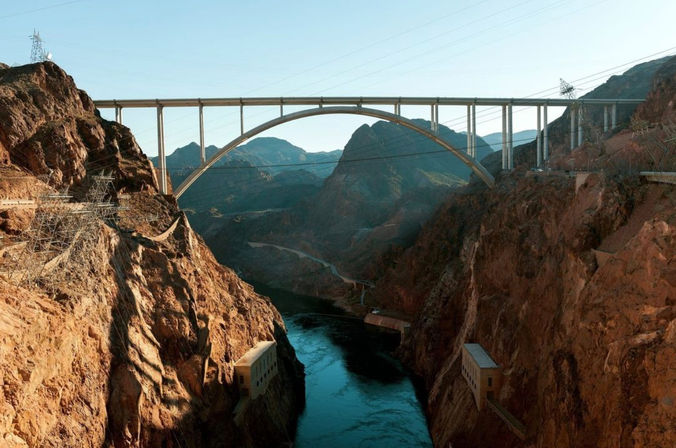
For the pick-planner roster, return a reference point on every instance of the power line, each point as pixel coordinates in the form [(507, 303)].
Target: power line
[(459, 119), (101, 162), (30, 11), (424, 41), (578, 82), (372, 44), (334, 162), (401, 50), (460, 40)]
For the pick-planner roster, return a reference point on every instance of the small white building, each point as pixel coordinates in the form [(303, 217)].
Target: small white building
[(256, 368), (481, 373)]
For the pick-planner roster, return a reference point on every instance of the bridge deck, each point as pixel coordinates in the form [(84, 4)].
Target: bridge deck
[(358, 100)]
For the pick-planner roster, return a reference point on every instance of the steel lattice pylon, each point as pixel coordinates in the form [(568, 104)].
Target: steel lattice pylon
[(62, 233), (38, 53)]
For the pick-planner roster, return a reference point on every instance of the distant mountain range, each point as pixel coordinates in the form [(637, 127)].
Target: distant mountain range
[(270, 154), (518, 138), (264, 173)]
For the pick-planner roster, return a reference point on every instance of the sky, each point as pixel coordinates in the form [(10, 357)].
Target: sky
[(483, 48)]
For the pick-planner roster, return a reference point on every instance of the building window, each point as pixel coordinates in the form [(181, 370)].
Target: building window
[(241, 379), (490, 382)]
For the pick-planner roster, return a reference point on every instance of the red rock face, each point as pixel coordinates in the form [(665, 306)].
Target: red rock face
[(572, 292), (661, 104), (136, 345), (48, 125), (587, 350)]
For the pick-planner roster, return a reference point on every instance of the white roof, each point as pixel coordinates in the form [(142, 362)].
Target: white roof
[(254, 353), (482, 358)]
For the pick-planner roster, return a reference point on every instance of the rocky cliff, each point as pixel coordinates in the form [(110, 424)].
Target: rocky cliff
[(569, 286), (135, 344)]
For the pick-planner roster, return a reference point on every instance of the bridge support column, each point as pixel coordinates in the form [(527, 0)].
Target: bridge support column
[(474, 130), (572, 127), (504, 137), (469, 130), (434, 118), (539, 138), (545, 132), (118, 114), (160, 150), (605, 118), (397, 109), (203, 155), (579, 127), (510, 139), (614, 116), (241, 118)]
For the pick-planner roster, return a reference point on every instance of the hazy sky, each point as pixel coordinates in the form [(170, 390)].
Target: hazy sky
[(170, 49)]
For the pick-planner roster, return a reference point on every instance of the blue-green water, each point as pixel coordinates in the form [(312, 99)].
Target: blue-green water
[(357, 394)]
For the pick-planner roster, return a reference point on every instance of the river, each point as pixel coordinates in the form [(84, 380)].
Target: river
[(357, 394)]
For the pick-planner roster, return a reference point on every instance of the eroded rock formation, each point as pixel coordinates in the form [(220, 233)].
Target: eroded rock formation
[(571, 290), (137, 345)]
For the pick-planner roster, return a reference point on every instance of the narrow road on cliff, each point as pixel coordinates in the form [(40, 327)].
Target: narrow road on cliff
[(302, 254)]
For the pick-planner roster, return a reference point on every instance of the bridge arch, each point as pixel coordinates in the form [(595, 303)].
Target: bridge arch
[(471, 162)]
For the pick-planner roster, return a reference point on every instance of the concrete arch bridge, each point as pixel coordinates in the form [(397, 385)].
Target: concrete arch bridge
[(372, 107)]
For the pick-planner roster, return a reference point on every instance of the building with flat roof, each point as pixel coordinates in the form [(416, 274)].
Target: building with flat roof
[(256, 368), (481, 373)]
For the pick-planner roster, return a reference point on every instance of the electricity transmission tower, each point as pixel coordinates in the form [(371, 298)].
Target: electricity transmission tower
[(38, 52), (62, 235), (567, 90)]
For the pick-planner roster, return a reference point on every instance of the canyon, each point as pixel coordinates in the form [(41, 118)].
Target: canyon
[(388, 181), (566, 276)]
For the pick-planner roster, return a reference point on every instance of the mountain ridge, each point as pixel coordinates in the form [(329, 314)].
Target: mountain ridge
[(519, 138), (270, 154)]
